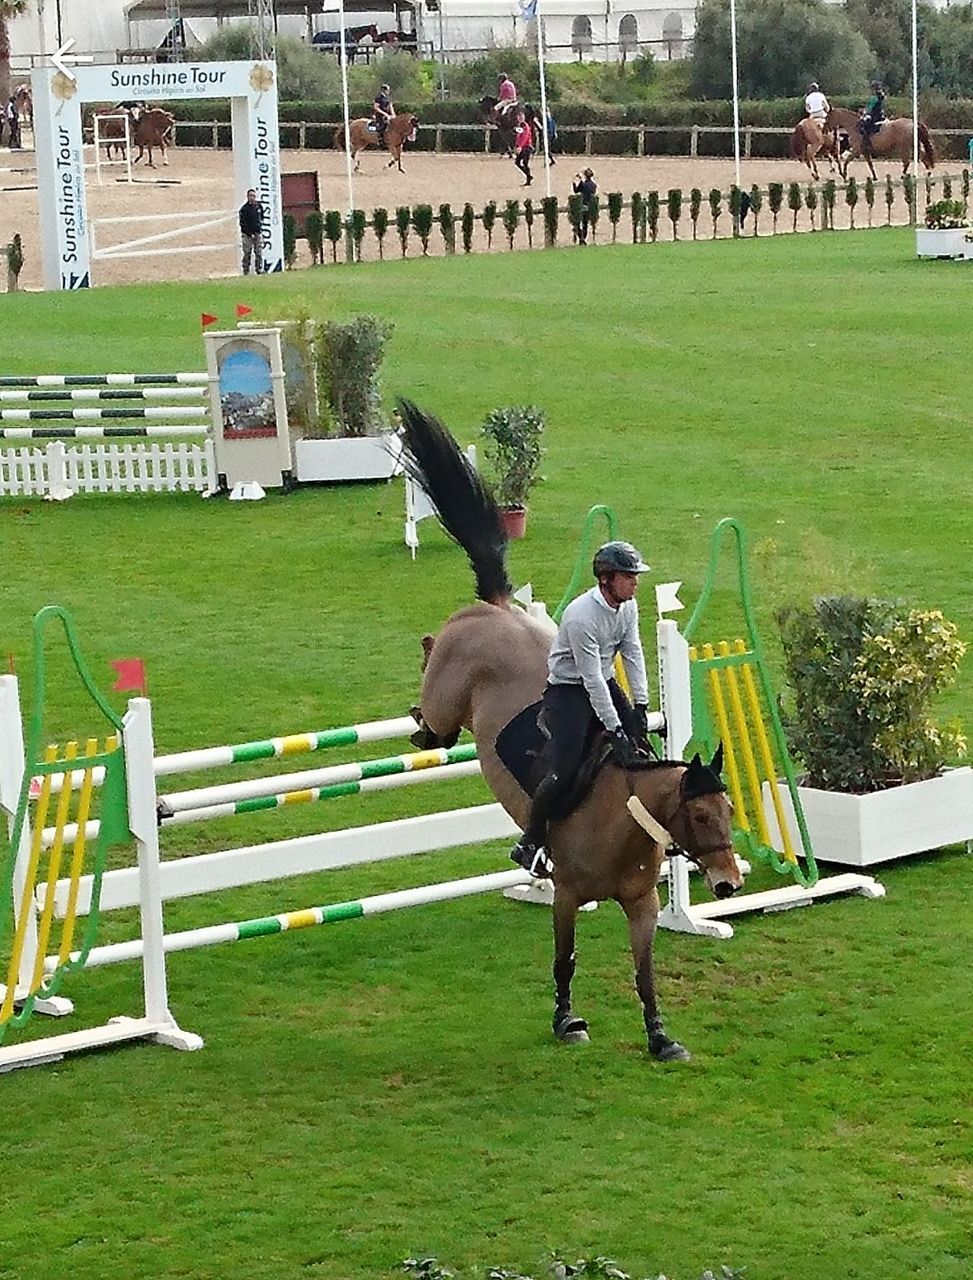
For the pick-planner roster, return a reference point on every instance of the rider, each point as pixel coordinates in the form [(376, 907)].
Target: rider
[(382, 110), (873, 114), (816, 105), (582, 694), (506, 94)]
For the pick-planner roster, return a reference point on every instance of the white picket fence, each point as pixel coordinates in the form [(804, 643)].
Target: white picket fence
[(57, 471)]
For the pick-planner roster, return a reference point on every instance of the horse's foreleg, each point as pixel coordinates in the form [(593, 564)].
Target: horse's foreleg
[(566, 1026), (642, 914)]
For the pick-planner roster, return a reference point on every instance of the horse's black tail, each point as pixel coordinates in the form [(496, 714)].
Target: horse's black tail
[(465, 506)]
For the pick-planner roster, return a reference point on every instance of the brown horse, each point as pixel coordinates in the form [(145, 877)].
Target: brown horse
[(488, 664), (893, 141), (148, 130), (399, 131), (810, 140)]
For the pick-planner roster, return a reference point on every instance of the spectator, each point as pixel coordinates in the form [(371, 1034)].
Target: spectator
[(585, 187), (251, 233)]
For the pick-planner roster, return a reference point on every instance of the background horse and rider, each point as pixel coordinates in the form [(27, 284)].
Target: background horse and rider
[(810, 139), (363, 133), (486, 669), (506, 122), (149, 129), (893, 140), (330, 41)]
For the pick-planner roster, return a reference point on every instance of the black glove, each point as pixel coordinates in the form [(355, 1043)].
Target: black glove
[(624, 753), (640, 722)]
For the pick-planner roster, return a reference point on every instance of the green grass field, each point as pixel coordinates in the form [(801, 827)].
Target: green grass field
[(390, 1087)]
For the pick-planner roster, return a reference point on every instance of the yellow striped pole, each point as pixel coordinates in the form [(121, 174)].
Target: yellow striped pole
[(746, 746), (729, 750), (767, 756), (77, 860), (53, 871), (23, 908)]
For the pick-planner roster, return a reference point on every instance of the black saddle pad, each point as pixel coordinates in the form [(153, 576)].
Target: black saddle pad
[(521, 747)]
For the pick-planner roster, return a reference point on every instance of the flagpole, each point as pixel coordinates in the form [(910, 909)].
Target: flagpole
[(736, 90), (915, 101), (543, 78), (344, 100)]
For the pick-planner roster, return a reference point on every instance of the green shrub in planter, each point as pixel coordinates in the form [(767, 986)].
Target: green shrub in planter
[(811, 200), (447, 225), (594, 213), (549, 209), (333, 230), (289, 233), (511, 220), (715, 207), (674, 209), (513, 452), (574, 216), (468, 222), (947, 188), (909, 192), (756, 204), (359, 225), (489, 220), (695, 205), (314, 229), (794, 201), (349, 354), (380, 225), (638, 218), (861, 674), (829, 194), (422, 221), (403, 221), (652, 214), (966, 186), (851, 199), (614, 212), (529, 221), (736, 201), (775, 201), (15, 263), (889, 199), (869, 197), (946, 215)]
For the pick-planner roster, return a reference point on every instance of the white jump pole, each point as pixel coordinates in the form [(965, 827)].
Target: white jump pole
[(915, 102), (343, 53), (535, 8)]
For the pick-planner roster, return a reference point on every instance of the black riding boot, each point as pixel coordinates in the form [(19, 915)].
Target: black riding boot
[(528, 852)]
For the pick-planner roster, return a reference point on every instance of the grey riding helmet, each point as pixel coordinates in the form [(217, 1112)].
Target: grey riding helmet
[(618, 557)]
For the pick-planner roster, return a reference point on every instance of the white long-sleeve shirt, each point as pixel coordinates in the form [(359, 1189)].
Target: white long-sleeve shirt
[(590, 635), (816, 104)]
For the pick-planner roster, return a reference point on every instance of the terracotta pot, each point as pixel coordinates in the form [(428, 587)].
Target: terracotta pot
[(514, 521)]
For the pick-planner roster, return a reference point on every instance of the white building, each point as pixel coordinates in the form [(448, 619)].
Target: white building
[(590, 29)]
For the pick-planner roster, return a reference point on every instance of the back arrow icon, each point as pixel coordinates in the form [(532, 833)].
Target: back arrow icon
[(61, 58)]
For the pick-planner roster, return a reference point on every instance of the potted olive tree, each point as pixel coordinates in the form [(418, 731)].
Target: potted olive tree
[(513, 452), (350, 437), (880, 778)]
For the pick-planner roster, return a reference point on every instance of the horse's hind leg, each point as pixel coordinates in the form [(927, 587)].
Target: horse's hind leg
[(566, 1026), (642, 914)]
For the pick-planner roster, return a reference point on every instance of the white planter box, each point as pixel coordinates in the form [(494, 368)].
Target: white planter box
[(941, 244), (859, 831), (362, 458)]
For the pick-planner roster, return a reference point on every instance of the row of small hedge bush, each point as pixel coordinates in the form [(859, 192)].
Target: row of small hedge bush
[(541, 220)]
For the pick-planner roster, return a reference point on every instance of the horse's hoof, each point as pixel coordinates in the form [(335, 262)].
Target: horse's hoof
[(670, 1051), (571, 1030)]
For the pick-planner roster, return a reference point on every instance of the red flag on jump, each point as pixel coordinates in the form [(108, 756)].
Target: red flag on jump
[(242, 310), (131, 675), (207, 319)]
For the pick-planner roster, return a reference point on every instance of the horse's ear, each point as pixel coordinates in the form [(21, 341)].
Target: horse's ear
[(716, 764), (696, 762)]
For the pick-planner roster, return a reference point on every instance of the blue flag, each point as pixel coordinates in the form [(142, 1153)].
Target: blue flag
[(528, 10)]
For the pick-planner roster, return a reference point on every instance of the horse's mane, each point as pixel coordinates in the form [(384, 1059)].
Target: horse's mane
[(466, 508)]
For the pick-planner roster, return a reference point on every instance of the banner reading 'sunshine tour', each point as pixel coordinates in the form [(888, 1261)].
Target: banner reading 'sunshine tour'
[(252, 90)]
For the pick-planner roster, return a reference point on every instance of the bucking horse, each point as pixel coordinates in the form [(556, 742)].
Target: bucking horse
[(484, 669), (505, 122)]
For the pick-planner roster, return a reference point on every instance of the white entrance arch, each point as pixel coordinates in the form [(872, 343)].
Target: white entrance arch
[(252, 90)]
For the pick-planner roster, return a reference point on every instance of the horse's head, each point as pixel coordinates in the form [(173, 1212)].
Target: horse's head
[(702, 826), (487, 105), (413, 124)]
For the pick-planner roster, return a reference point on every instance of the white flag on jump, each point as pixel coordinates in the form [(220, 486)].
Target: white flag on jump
[(528, 9)]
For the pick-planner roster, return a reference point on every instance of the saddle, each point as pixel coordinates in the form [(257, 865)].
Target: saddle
[(522, 748)]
